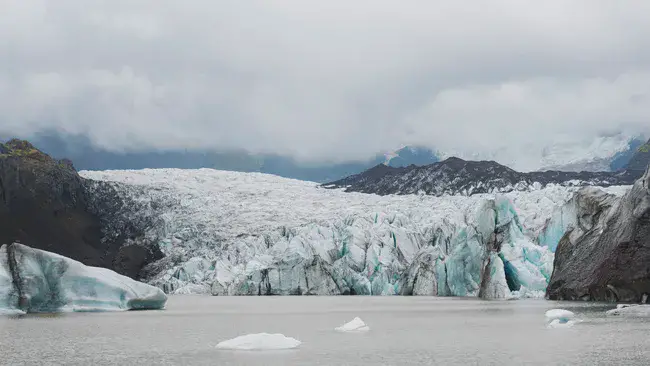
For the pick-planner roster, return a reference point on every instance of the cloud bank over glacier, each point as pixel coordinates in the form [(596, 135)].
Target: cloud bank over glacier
[(326, 81)]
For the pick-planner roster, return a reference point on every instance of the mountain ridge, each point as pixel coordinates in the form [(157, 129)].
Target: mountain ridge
[(458, 176), (605, 153), (86, 157)]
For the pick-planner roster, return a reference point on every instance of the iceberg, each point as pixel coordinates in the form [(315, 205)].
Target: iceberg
[(260, 342), (630, 310), (560, 318), (356, 325), (557, 323), (560, 315), (36, 281)]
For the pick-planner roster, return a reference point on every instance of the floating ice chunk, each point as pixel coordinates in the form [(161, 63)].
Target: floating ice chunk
[(563, 316), (11, 312), (560, 318), (260, 342), (630, 310), (39, 281), (558, 323), (355, 326)]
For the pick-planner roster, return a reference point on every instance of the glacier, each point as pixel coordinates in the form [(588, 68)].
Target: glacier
[(36, 281), (231, 233)]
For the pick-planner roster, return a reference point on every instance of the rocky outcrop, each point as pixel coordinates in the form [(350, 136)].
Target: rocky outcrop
[(606, 255), (45, 204), (641, 158)]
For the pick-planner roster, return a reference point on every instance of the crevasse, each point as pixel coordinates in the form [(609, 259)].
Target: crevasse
[(228, 233)]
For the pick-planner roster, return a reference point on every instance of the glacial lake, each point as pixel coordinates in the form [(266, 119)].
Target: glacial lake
[(403, 331)]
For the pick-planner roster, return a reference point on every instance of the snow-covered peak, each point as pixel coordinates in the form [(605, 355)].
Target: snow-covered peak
[(567, 153)]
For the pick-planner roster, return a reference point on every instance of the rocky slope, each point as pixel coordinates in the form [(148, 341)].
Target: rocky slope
[(456, 176), (45, 204), (641, 159), (606, 255)]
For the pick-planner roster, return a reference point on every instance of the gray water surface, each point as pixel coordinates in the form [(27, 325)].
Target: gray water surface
[(404, 331)]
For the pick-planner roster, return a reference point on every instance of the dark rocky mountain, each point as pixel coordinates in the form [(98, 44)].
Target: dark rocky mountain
[(457, 176), (606, 257), (45, 204), (621, 160), (641, 158)]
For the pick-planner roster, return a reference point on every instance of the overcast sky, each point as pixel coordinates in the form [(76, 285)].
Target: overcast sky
[(326, 80)]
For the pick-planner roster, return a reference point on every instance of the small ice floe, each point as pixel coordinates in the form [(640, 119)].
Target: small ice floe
[(630, 310), (260, 342), (355, 326), (11, 312), (557, 323), (560, 318), (559, 314)]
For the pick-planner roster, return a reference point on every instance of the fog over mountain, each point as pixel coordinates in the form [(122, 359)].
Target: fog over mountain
[(520, 83)]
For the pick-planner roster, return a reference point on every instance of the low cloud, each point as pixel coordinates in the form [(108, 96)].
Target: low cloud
[(333, 80)]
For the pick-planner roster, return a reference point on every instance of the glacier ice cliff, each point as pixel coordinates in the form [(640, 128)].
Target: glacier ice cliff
[(228, 233), (605, 255), (35, 281)]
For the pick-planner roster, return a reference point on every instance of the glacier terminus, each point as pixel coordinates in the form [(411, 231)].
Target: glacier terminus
[(231, 233)]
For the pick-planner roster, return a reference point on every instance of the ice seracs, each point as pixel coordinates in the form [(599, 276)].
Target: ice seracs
[(260, 342), (257, 234), (356, 325), (33, 281)]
